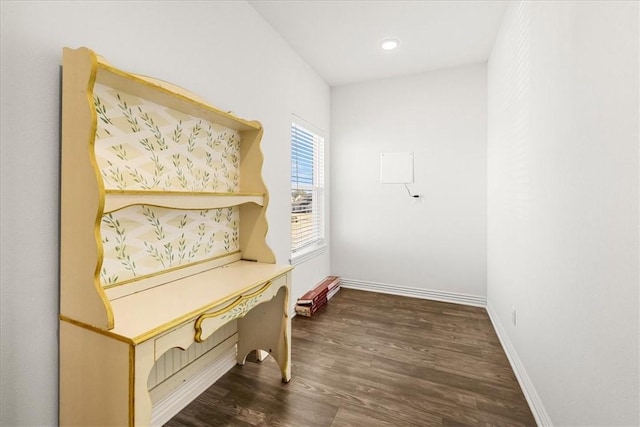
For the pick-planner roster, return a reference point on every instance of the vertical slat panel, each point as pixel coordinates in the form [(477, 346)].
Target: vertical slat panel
[(176, 359)]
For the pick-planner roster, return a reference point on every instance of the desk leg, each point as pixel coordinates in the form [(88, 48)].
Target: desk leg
[(267, 327)]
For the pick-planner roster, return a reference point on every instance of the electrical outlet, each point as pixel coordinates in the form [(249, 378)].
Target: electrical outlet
[(513, 316)]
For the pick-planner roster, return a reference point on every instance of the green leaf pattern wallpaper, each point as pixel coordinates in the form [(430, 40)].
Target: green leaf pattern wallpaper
[(142, 240), (141, 145), (242, 308)]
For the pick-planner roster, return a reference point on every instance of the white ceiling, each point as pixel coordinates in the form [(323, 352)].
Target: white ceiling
[(340, 38)]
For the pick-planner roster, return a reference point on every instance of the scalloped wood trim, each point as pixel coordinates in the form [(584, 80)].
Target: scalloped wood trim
[(201, 335), (253, 242), (82, 296)]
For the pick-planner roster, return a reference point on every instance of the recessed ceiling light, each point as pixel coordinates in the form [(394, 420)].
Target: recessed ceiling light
[(389, 44)]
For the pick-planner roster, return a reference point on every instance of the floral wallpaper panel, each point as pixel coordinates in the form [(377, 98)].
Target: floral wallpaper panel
[(141, 145), (143, 240)]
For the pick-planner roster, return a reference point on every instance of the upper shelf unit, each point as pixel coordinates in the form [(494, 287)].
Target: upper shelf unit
[(157, 184)]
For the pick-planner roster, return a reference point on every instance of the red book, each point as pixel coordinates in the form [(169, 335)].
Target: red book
[(319, 291), (308, 310), (312, 297)]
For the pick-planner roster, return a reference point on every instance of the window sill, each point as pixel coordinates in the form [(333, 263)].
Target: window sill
[(308, 254)]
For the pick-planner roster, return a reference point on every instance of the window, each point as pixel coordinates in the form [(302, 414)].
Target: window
[(307, 190)]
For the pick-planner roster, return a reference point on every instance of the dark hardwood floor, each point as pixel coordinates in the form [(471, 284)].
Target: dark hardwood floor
[(370, 359)]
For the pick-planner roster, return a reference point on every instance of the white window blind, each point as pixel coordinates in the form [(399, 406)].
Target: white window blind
[(307, 188)]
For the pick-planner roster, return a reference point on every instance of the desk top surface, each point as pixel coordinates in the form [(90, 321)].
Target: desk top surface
[(148, 313)]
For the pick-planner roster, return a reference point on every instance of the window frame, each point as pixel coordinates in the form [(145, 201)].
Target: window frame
[(317, 245)]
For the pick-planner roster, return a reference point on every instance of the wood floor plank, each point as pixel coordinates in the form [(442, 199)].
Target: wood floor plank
[(352, 417), (370, 359)]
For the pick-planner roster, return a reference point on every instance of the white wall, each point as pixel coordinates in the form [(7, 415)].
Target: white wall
[(563, 205), (379, 234), (223, 51)]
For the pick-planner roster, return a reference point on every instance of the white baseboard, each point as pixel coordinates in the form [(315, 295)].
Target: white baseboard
[(168, 406), (530, 393), (444, 296)]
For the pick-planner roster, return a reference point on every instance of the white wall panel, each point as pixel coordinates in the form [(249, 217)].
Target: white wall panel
[(379, 233), (563, 217)]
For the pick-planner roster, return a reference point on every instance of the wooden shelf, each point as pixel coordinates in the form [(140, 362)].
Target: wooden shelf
[(163, 238), (117, 199)]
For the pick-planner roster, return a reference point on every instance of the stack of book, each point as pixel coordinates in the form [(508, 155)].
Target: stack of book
[(317, 297)]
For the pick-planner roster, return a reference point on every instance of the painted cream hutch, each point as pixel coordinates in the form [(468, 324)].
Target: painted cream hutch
[(162, 238)]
